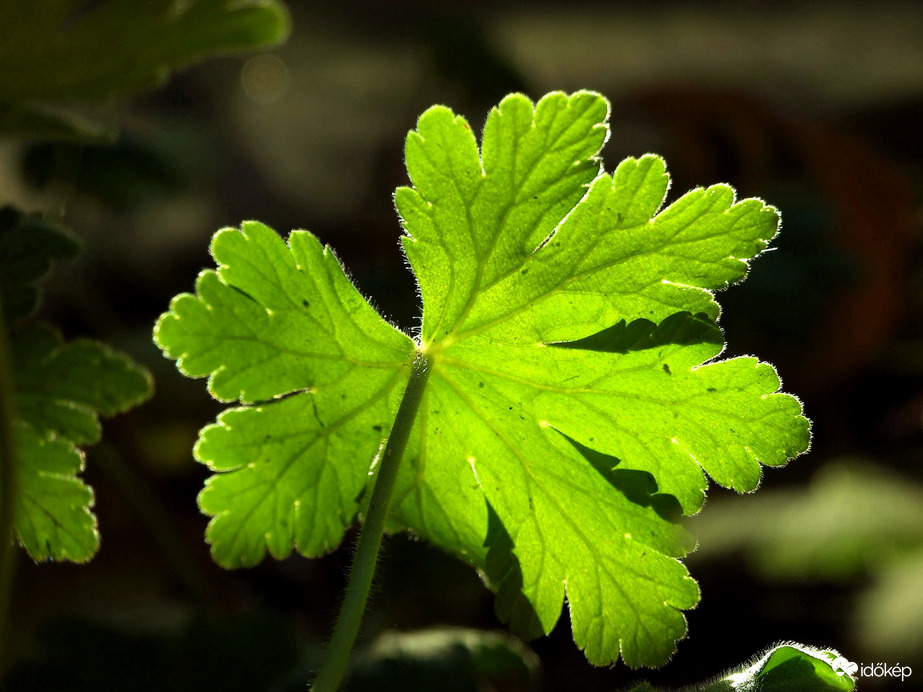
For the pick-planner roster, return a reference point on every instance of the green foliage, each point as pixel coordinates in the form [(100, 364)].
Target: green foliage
[(264, 327), (574, 407), (67, 50), (51, 52), (784, 668), (61, 390)]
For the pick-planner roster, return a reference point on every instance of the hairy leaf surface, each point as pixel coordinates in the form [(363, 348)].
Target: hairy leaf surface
[(285, 321), (786, 667), (575, 408)]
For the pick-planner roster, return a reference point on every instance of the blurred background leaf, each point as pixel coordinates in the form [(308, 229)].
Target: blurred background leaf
[(850, 519), (83, 50), (856, 523), (80, 50)]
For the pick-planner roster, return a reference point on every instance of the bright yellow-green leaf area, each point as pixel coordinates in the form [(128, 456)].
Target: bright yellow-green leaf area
[(575, 408)]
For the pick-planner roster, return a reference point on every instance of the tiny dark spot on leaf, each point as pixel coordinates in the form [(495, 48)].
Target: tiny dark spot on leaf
[(666, 369), (711, 389), (305, 303), (481, 385), (376, 428)]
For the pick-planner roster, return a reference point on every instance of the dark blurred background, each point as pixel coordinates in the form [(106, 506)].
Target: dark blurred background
[(816, 107)]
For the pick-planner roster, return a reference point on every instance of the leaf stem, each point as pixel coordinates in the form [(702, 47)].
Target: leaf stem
[(9, 477), (363, 568)]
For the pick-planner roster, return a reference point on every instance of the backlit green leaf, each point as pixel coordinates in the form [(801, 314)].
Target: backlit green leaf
[(274, 321), (574, 410)]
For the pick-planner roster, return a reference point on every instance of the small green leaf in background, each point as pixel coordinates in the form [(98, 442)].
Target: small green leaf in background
[(61, 390), (575, 406), (786, 667), (28, 244)]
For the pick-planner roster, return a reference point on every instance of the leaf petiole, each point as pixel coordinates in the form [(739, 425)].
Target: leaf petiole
[(363, 567)]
